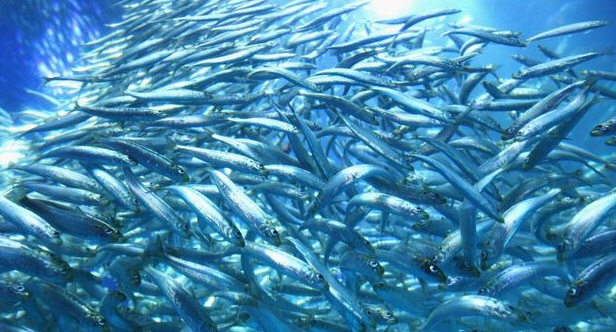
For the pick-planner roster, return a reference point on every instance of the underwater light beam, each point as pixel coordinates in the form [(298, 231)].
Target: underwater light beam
[(386, 9)]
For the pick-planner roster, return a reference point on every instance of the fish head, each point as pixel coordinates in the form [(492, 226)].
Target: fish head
[(96, 322), (135, 277), (97, 198), (376, 267), (519, 74), (19, 290), (380, 315), (601, 128), (432, 270), (454, 281), (490, 253), (370, 267), (468, 269), (181, 173), (132, 161), (515, 41), (317, 280), (262, 170), (486, 258), (234, 235), (271, 235), (503, 311), (63, 273), (528, 163), (134, 201), (509, 133), (485, 290), (439, 256), (421, 224), (574, 294), (435, 198), (55, 237), (389, 317), (185, 230), (111, 234), (423, 215), (525, 317), (565, 248), (379, 286), (364, 246), (304, 322), (521, 135), (449, 116)]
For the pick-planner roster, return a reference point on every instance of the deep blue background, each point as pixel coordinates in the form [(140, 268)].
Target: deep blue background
[(44, 33)]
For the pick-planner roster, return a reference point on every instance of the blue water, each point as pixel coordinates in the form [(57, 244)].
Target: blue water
[(40, 37)]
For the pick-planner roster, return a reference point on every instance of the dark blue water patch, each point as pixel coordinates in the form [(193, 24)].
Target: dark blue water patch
[(38, 37), (109, 283)]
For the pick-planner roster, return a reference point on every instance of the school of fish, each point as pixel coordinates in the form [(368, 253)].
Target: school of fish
[(230, 165)]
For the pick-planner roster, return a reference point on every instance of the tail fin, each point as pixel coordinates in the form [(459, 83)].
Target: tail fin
[(154, 250)]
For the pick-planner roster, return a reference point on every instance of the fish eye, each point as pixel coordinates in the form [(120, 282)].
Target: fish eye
[(510, 307), (237, 233), (481, 291), (484, 255), (366, 242), (387, 314), (373, 263), (274, 232), (181, 171), (185, 227), (19, 288), (108, 230), (369, 312), (319, 276), (432, 268), (55, 234), (573, 291), (102, 321)]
